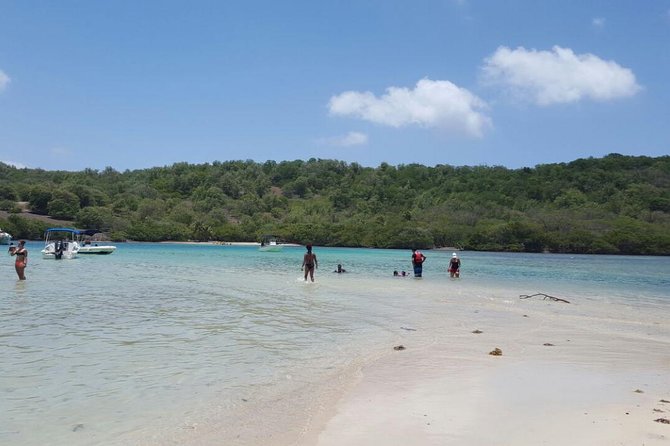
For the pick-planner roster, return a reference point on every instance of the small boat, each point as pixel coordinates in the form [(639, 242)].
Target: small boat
[(5, 237), (60, 243), (86, 246), (270, 243)]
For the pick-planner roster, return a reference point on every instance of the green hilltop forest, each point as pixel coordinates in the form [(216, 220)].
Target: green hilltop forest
[(611, 205)]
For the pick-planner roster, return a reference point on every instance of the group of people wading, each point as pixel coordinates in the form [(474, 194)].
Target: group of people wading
[(310, 263), (418, 258)]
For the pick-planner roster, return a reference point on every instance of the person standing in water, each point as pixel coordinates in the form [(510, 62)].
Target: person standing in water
[(309, 263), (455, 266), (21, 254), (417, 262)]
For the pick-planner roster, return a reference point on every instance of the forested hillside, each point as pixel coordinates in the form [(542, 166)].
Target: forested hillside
[(615, 204)]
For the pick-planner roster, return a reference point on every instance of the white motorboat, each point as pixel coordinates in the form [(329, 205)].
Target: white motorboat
[(96, 249), (88, 246), (60, 243), (270, 243), (5, 237)]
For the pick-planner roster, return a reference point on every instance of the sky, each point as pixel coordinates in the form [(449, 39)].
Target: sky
[(134, 84)]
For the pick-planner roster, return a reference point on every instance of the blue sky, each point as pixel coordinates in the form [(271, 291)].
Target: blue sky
[(137, 84)]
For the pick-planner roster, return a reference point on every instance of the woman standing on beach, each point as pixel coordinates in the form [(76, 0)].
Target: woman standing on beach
[(309, 263), (21, 254)]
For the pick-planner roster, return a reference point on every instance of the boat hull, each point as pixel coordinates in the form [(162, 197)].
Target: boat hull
[(273, 248), (52, 255), (70, 251), (100, 250), (5, 238)]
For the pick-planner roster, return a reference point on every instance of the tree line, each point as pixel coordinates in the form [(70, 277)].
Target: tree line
[(611, 205)]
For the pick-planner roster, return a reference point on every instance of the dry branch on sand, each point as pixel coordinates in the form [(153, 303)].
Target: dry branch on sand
[(545, 296)]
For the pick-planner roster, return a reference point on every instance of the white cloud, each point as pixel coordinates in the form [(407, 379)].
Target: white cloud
[(558, 76), (598, 22), (352, 139), (431, 103), (12, 163), (348, 140), (4, 80)]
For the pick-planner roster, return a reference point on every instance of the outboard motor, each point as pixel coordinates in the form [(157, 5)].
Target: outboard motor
[(58, 250)]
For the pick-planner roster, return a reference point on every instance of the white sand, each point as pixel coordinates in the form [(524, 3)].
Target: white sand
[(599, 384)]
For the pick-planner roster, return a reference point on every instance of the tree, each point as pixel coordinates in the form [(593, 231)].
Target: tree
[(23, 228), (7, 192), (39, 198), (63, 204), (201, 232), (100, 218)]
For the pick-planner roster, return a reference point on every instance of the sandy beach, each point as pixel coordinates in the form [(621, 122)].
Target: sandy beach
[(601, 384), (226, 356), (569, 374)]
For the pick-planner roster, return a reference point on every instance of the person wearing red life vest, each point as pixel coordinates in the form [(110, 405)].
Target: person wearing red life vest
[(417, 262)]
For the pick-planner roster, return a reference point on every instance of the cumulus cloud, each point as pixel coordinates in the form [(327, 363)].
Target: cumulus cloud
[(4, 80), (558, 76), (348, 140), (439, 104)]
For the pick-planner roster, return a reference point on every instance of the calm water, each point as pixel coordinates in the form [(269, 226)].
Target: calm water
[(109, 349)]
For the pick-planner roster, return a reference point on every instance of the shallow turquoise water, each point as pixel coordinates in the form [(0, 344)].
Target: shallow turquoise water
[(101, 349)]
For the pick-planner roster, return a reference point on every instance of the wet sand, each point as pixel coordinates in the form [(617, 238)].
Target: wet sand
[(582, 373), (600, 381)]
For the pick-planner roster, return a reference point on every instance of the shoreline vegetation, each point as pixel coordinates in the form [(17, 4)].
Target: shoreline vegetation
[(612, 205)]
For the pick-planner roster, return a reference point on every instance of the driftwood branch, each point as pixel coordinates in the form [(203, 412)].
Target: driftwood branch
[(545, 296)]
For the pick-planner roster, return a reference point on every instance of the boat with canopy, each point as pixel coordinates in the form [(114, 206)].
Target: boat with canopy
[(60, 243)]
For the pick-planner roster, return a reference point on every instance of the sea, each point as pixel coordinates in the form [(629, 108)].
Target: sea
[(159, 339)]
